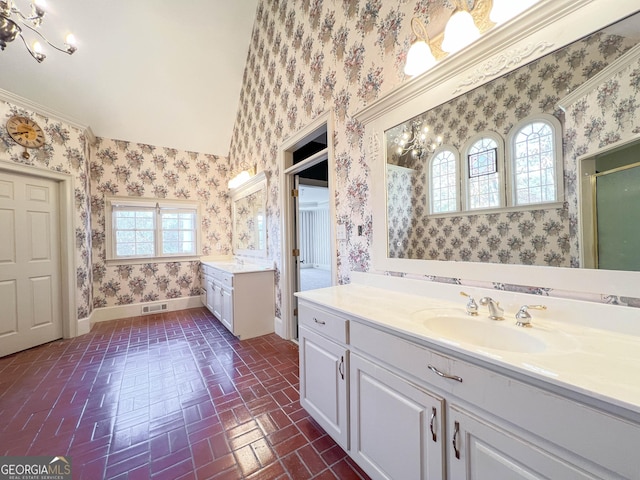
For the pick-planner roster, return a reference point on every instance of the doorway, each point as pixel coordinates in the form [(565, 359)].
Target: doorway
[(313, 233), (307, 162)]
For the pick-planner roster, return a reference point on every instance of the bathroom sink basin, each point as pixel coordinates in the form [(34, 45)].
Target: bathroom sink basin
[(504, 335), (488, 334)]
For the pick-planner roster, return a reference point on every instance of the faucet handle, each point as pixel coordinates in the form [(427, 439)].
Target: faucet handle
[(524, 317), (472, 306)]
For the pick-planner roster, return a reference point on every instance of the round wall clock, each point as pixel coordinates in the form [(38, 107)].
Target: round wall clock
[(25, 132)]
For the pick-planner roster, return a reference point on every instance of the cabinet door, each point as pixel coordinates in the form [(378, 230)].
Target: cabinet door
[(323, 383), (209, 293), (480, 451), (216, 302), (396, 426), (227, 308)]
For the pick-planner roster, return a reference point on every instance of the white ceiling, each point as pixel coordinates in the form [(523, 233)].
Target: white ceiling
[(149, 71)]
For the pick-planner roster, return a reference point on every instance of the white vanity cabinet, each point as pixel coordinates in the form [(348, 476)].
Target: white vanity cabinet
[(396, 426), (324, 370), (242, 301), (420, 413), (481, 450)]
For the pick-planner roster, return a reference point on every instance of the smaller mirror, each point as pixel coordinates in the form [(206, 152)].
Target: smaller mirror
[(248, 203)]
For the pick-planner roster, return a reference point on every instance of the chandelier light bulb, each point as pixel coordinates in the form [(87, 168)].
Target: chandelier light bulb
[(39, 8), (37, 47), (70, 39)]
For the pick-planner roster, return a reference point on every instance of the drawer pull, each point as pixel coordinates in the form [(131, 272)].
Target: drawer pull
[(456, 432), (431, 424), (444, 375), (320, 322)]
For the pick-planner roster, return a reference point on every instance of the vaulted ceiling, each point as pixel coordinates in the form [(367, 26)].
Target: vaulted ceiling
[(148, 71)]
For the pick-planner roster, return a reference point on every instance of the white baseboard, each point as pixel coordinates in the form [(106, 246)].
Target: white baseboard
[(84, 325), (278, 327), (135, 309)]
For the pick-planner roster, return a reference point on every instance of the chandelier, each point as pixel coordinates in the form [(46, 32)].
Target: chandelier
[(415, 140), (12, 21)]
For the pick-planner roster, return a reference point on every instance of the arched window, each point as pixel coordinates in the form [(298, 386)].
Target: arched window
[(483, 168), (536, 169), (443, 181)]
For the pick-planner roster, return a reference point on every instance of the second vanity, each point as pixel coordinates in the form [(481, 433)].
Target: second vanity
[(413, 388), (241, 296)]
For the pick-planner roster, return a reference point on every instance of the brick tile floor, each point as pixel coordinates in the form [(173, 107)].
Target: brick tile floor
[(166, 396)]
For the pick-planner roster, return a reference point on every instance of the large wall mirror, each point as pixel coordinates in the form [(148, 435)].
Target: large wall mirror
[(248, 203), (566, 95)]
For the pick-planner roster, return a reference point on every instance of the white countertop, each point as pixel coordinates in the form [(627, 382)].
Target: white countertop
[(600, 364), (234, 267)]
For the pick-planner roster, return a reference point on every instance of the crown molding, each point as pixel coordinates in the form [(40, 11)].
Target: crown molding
[(620, 64), (19, 101)]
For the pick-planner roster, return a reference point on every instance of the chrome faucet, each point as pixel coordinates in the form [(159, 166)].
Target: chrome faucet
[(472, 306), (496, 312)]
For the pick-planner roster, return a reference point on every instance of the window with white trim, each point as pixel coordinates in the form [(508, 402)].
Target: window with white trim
[(150, 228), (484, 184), (443, 182), (536, 173)]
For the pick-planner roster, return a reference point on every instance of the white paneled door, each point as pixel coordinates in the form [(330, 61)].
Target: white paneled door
[(29, 262)]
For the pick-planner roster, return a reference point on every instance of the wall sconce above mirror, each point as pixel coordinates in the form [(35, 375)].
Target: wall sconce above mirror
[(467, 22), (526, 67), (249, 220)]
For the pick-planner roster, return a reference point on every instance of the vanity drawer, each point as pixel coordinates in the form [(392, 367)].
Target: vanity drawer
[(408, 357), (324, 322), (226, 279)]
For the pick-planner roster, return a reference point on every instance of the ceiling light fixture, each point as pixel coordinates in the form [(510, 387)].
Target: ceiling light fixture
[(10, 16), (419, 58), (504, 10), (460, 30)]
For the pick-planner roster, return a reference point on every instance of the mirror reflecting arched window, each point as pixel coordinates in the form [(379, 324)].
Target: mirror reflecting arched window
[(443, 182), (535, 175), (483, 180)]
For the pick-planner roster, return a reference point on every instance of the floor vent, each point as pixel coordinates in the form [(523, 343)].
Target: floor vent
[(156, 307)]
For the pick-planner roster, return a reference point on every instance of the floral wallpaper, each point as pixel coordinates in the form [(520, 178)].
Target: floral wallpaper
[(248, 218), (65, 151), (311, 56), (400, 208), (139, 170)]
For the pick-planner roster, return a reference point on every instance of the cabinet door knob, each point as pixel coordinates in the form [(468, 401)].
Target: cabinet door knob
[(444, 375), (456, 432), (341, 367), (431, 424)]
